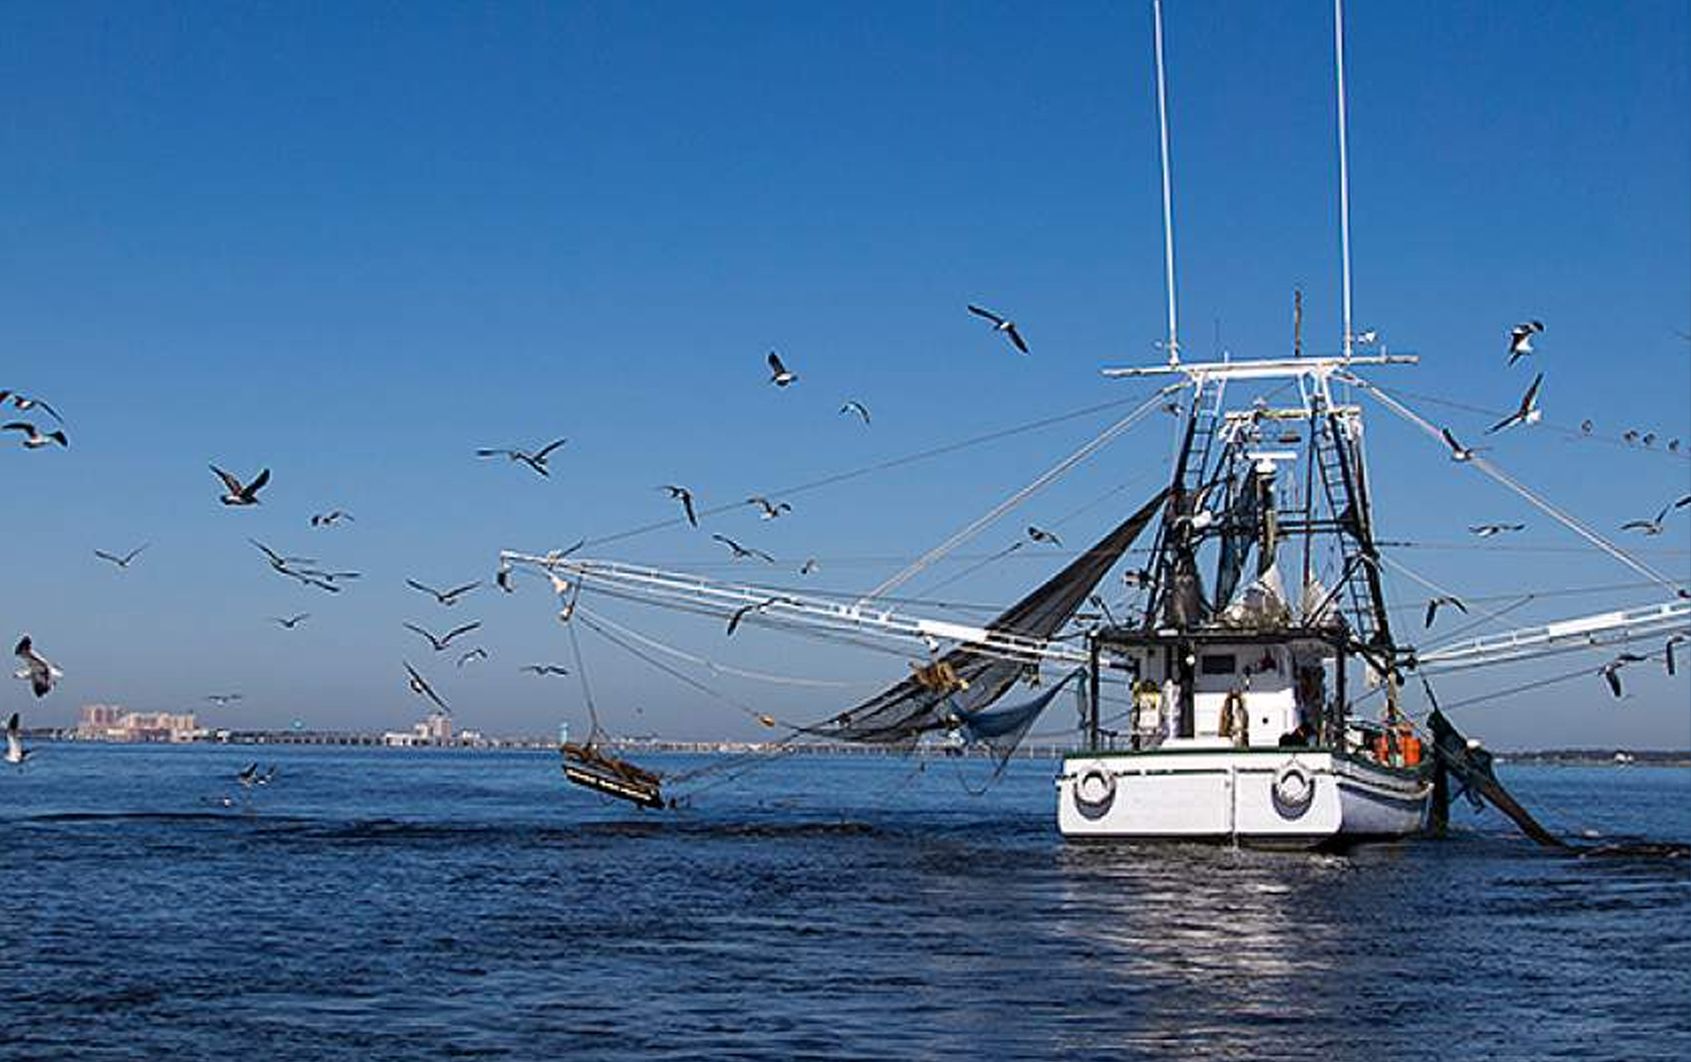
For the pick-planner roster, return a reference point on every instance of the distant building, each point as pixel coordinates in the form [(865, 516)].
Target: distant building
[(111, 722), (435, 729)]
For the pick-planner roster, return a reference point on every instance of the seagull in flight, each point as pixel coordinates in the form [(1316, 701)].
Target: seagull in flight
[(1443, 599), (779, 374), (24, 403), (770, 509), (1458, 452), (290, 622), (1629, 436), (1528, 413), (1041, 535), (854, 406), (1585, 426), (1611, 671), (441, 643), (536, 460), (1654, 527), (34, 438), (544, 669), (36, 668), (279, 562), (123, 561), (223, 700), (421, 687), (809, 566), (478, 653), (685, 497), (235, 493), (742, 551), (1488, 530), (504, 578), (1002, 324), (445, 597), (15, 752), (1520, 339), (330, 518), (740, 613)]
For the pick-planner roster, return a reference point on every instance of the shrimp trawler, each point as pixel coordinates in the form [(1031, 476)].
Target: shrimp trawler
[(1258, 665), (1241, 725)]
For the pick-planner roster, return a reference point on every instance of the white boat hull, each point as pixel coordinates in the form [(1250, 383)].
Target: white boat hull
[(1293, 798)]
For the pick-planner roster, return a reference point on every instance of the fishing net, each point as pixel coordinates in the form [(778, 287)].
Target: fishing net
[(965, 681)]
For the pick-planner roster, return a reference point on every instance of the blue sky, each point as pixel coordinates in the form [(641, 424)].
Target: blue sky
[(354, 244)]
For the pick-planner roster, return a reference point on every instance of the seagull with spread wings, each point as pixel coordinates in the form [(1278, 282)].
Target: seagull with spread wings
[(1003, 325), (123, 561), (440, 643), (740, 551), (237, 493), (36, 668), (536, 460), (854, 406), (34, 438), (1527, 413), (444, 597)]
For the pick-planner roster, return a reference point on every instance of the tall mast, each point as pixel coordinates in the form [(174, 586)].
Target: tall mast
[(1344, 164), (1168, 200)]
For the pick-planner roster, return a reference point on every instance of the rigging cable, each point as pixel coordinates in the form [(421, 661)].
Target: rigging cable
[(879, 466), (1103, 439), (1488, 468)]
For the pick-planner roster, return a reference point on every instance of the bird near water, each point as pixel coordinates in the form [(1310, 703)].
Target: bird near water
[(16, 754), (421, 687), (1488, 530), (854, 406), (290, 622), (37, 669)]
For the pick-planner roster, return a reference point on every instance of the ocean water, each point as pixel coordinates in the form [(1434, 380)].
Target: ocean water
[(374, 904)]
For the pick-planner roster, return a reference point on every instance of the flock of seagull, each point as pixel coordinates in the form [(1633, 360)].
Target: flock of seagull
[(243, 493), (238, 493)]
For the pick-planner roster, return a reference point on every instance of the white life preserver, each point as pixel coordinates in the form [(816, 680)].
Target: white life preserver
[(1293, 791), (1094, 792)]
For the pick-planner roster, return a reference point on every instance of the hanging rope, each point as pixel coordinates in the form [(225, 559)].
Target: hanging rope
[(1488, 468), (595, 732)]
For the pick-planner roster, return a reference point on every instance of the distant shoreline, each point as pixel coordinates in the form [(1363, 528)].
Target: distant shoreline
[(357, 739)]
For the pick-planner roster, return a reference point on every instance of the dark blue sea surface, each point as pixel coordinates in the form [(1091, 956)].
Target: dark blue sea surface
[(373, 904)]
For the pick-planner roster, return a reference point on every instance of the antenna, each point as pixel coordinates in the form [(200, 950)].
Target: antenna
[(1297, 322), (1344, 163), (1168, 208)]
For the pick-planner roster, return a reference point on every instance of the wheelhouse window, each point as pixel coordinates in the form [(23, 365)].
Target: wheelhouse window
[(1218, 664)]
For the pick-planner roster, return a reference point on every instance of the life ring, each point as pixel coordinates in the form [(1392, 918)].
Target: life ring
[(1094, 793), (1293, 791)]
